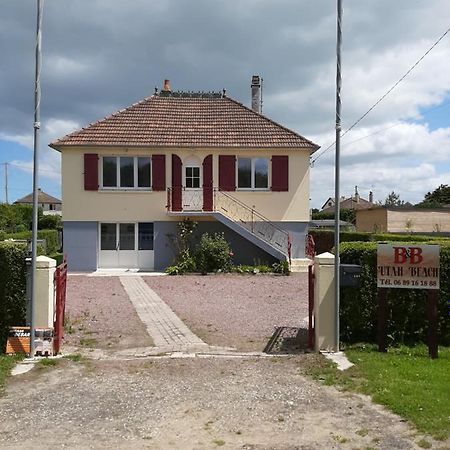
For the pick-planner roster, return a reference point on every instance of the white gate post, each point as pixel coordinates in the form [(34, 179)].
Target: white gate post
[(45, 306), (324, 303)]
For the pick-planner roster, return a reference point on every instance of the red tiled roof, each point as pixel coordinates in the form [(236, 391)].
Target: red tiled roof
[(186, 120)]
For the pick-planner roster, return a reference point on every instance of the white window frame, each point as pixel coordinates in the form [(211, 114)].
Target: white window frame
[(135, 186), (252, 174)]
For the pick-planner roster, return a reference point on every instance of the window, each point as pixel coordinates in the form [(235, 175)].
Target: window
[(108, 236), (192, 177), (253, 173), (145, 236), (126, 236), (132, 172)]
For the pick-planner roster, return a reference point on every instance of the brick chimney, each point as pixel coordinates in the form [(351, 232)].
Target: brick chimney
[(166, 87), (256, 93), (356, 194)]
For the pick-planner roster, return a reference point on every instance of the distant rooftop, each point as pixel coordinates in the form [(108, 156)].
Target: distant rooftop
[(43, 197)]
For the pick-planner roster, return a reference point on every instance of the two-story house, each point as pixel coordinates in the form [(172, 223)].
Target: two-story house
[(128, 179)]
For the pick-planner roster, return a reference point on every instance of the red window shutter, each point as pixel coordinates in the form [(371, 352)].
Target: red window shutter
[(227, 172), (90, 172), (280, 173), (208, 183), (159, 172), (176, 183)]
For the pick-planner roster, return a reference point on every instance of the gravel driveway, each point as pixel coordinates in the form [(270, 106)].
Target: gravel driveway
[(233, 310), (191, 404), (99, 314)]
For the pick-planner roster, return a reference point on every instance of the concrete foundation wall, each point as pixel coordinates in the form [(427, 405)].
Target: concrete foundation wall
[(81, 243)]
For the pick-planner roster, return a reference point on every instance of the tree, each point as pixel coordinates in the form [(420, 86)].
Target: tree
[(438, 198), (393, 199)]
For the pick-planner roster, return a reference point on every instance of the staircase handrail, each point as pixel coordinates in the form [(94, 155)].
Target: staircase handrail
[(259, 216)]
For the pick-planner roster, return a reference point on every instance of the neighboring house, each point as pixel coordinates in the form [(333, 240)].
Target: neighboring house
[(48, 203), (403, 220), (353, 202), (128, 179)]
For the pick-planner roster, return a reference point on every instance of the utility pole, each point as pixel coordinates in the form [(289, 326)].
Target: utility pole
[(337, 194), (5, 164), (37, 125), (6, 183)]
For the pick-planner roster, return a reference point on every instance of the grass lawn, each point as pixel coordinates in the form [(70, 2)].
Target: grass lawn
[(6, 364), (405, 380)]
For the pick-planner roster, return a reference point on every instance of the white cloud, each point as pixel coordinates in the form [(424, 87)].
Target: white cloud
[(26, 140)]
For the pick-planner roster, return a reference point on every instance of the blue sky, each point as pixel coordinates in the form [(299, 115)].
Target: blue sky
[(98, 59), (20, 181)]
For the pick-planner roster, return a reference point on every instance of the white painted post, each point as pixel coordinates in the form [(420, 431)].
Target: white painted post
[(44, 307), (324, 303)]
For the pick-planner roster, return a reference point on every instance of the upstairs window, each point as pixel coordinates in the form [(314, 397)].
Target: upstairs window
[(126, 172), (253, 173)]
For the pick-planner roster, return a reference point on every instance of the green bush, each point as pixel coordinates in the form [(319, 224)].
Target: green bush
[(324, 239), (49, 222), (50, 236), (407, 319), (213, 253), (12, 288), (184, 263)]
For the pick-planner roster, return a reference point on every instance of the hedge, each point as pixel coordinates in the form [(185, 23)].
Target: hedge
[(324, 239), (50, 236), (408, 315), (12, 288)]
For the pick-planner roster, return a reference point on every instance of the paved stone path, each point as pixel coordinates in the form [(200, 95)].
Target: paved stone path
[(163, 325)]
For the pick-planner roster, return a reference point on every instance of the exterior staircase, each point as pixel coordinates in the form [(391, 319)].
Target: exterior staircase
[(240, 218)]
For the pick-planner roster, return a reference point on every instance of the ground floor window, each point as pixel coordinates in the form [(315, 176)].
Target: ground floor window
[(126, 244)]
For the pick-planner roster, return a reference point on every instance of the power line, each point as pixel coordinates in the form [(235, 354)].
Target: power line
[(385, 94), (29, 168)]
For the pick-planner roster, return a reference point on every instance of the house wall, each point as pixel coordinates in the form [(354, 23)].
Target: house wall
[(103, 205), (80, 242), (371, 220), (416, 221)]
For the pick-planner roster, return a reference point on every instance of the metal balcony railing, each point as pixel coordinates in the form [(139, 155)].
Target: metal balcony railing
[(181, 200)]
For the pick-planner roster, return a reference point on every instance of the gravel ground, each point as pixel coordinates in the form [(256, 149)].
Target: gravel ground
[(239, 311), (191, 404), (99, 314)]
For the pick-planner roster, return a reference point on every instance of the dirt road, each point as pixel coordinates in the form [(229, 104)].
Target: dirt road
[(191, 403)]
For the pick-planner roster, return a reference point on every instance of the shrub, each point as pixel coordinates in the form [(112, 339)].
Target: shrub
[(12, 288), (213, 253), (184, 263), (49, 222), (407, 319), (51, 238), (324, 239)]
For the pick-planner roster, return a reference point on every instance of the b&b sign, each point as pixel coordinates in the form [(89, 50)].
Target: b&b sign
[(409, 267)]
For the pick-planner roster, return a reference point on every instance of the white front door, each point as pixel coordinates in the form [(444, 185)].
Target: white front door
[(126, 245), (192, 193)]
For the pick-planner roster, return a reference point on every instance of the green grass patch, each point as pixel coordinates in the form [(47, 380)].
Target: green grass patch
[(88, 342), (405, 380), (75, 357), (6, 364), (48, 362)]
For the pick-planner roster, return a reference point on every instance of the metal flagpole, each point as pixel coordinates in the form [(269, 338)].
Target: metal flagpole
[(337, 195), (6, 183), (37, 125)]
